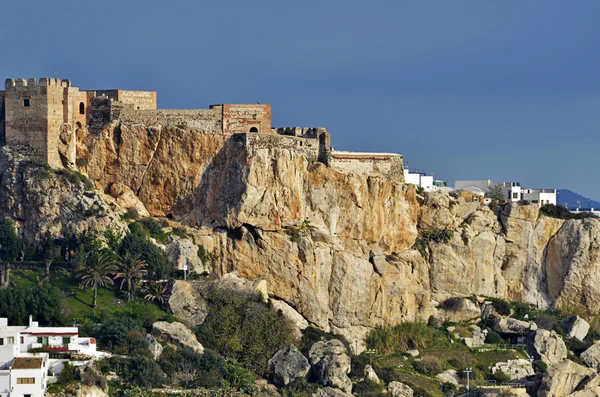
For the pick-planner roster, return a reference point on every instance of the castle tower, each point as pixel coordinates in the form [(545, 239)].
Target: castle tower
[(36, 111)]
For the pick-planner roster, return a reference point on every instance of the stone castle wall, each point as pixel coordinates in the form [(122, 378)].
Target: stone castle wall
[(2, 120), (142, 100), (309, 147), (206, 120), (387, 164), (245, 118)]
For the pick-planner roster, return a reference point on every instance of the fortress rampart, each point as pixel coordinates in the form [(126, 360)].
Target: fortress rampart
[(42, 119), (388, 164)]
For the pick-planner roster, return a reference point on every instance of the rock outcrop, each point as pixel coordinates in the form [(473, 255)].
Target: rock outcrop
[(512, 326), (183, 254), (177, 334), (576, 327), (549, 346), (515, 369), (591, 356), (399, 389), (569, 379), (287, 365), (331, 364), (187, 305)]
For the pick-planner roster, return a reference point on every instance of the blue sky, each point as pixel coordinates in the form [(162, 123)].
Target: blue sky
[(471, 89)]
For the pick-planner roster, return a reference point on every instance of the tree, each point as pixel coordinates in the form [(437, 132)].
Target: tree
[(156, 292), (495, 192), (11, 247), (130, 269), (50, 251), (136, 243), (95, 271)]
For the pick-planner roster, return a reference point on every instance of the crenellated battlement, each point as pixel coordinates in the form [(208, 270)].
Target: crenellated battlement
[(32, 82)]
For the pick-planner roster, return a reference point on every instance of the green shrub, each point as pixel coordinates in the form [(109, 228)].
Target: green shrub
[(501, 377), (560, 212), (452, 304), (137, 244), (405, 336), (67, 375), (493, 338), (501, 306), (521, 310), (300, 388), (577, 346), (238, 377), (10, 243), (367, 388), (540, 367), (240, 326), (429, 365)]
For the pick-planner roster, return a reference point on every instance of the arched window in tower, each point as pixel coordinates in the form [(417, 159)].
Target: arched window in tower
[(253, 129), (81, 108)]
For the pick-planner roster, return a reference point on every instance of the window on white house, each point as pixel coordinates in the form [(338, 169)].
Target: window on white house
[(25, 381), (10, 340), (515, 195)]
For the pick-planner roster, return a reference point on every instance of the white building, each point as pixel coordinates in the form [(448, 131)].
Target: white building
[(539, 196), (512, 191), (419, 179), (24, 374)]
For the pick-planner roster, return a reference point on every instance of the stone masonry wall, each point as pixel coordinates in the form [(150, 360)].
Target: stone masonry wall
[(2, 120), (246, 118), (205, 120), (309, 147), (27, 126), (387, 164)]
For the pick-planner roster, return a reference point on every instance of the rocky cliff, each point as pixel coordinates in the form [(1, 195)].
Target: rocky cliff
[(347, 251)]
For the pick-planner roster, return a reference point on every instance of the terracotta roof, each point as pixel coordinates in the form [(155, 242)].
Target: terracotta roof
[(27, 363)]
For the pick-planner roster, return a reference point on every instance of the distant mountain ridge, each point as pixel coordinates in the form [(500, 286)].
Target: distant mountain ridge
[(569, 197)]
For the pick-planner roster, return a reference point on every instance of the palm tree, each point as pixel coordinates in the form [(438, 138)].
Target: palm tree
[(95, 270), (130, 269), (156, 291)]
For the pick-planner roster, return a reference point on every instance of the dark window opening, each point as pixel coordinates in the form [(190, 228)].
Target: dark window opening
[(253, 129), (81, 108), (26, 102)]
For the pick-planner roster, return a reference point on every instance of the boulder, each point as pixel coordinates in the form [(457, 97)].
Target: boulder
[(371, 374), (330, 392), (449, 376), (576, 327), (300, 323), (478, 337), (413, 352), (155, 348), (549, 346), (331, 364), (512, 326), (183, 254), (399, 389), (461, 310), (187, 305), (516, 369), (591, 356), (177, 334), (288, 364), (379, 261), (126, 198), (234, 282), (565, 379)]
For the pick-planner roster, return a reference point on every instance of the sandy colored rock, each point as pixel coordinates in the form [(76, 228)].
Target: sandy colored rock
[(564, 377), (187, 305), (287, 365), (183, 254), (591, 356), (399, 389), (177, 334), (576, 327), (300, 323), (549, 346), (331, 364), (515, 369)]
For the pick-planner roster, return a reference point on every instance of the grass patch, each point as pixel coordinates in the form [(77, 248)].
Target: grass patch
[(406, 336)]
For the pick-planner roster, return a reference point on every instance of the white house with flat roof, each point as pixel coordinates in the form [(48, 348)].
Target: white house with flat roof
[(419, 179), (512, 191), (24, 374)]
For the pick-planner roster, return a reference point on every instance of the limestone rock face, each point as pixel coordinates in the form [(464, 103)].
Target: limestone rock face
[(187, 305), (563, 378), (465, 310), (331, 364), (41, 200), (183, 253), (513, 326), (576, 327), (299, 322), (287, 365), (549, 346), (178, 334), (399, 389), (591, 356), (478, 337), (155, 348)]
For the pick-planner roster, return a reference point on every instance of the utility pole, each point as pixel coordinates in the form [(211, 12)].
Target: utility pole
[(468, 371), (370, 352)]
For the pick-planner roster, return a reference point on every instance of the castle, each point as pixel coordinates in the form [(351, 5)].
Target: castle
[(39, 117)]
